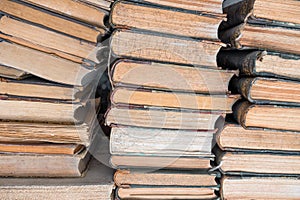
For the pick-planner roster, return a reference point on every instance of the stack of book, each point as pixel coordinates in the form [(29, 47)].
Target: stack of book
[(169, 97), (261, 154), (50, 64)]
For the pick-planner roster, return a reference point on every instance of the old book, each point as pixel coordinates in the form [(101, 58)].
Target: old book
[(262, 90), (152, 192), (43, 165), (267, 116), (164, 20), (96, 185), (152, 98), (12, 73), (237, 188), (161, 162), (73, 9), (41, 148), (104, 4), (160, 76), (158, 118), (278, 10), (152, 47), (260, 63), (28, 132), (41, 110), (212, 7), (261, 36), (46, 38), (50, 20), (159, 142), (55, 69), (258, 163), (125, 178), (234, 137), (35, 87)]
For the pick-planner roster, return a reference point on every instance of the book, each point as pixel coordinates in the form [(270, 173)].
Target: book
[(47, 38), (12, 73), (50, 20), (262, 90), (43, 165), (234, 137), (39, 110), (73, 9), (104, 4), (125, 178), (152, 98), (267, 116), (164, 20), (155, 47), (255, 62), (264, 187), (278, 10), (34, 87), (159, 142), (33, 61), (248, 162), (96, 184), (156, 162), (160, 76), (161, 118)]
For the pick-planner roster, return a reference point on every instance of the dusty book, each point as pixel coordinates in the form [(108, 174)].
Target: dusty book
[(55, 69), (157, 47), (12, 73), (160, 76), (253, 62), (234, 137), (159, 142), (191, 101), (265, 187), (261, 90), (162, 118), (156, 162), (267, 116), (97, 184), (164, 20), (52, 21)]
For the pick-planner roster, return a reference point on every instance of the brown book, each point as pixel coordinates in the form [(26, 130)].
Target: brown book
[(161, 162), (285, 188), (50, 20), (12, 73), (35, 87), (148, 193), (41, 148), (160, 142), (40, 110), (234, 137), (48, 39), (125, 178), (278, 10), (73, 9), (267, 116), (258, 163), (151, 18), (97, 184), (151, 98), (28, 132), (161, 76), (152, 47), (55, 69), (268, 90), (43, 165), (206, 6), (260, 63), (158, 118), (104, 4)]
